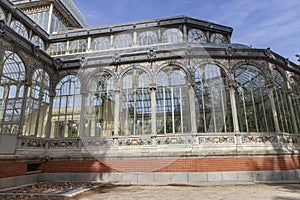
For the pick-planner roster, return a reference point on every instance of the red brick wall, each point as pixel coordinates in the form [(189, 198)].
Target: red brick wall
[(9, 169), (234, 164)]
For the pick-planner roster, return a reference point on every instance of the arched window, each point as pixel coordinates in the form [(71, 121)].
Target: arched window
[(172, 101), (19, 28), (218, 38), (37, 104), (57, 49), (99, 112), (198, 36), (123, 41), (66, 108), (12, 77), (212, 98), (78, 46), (295, 94), (135, 109), (281, 103), (37, 41), (2, 14), (100, 43), (12, 91), (172, 35), (147, 38), (252, 98)]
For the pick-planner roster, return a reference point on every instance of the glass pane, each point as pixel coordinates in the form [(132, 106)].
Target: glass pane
[(172, 101), (12, 78), (100, 43), (252, 98), (147, 38), (99, 112), (122, 41), (212, 98), (19, 28), (66, 112), (172, 35), (135, 111), (198, 36)]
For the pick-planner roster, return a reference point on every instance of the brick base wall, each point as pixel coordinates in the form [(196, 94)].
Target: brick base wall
[(222, 164)]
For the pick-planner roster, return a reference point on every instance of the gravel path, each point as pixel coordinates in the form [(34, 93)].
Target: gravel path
[(224, 192), (243, 192)]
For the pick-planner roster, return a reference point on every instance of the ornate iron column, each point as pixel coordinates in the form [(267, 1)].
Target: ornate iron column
[(48, 125), (22, 115), (116, 61), (191, 88), (151, 55)]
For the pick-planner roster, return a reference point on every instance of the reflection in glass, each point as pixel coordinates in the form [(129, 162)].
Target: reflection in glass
[(78, 46), (19, 28), (135, 113), (198, 36), (218, 38), (123, 41), (147, 38), (281, 102), (253, 102), (57, 49), (37, 105), (212, 98), (12, 77), (66, 108), (37, 41), (172, 101), (99, 112), (172, 35), (2, 14), (100, 43), (295, 94)]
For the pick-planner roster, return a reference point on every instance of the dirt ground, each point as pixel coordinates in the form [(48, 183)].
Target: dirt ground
[(243, 192), (222, 192)]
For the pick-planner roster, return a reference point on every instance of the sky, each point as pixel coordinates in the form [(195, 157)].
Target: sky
[(257, 23)]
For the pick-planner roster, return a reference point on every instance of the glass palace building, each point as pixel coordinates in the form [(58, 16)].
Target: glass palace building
[(167, 100)]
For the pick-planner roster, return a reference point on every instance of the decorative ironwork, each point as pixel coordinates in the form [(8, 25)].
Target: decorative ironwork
[(2, 26), (229, 51), (116, 60), (286, 61), (83, 61), (268, 53), (188, 54), (151, 56), (57, 63), (36, 50)]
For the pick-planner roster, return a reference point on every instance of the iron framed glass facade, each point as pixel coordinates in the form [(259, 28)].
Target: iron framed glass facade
[(142, 92)]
